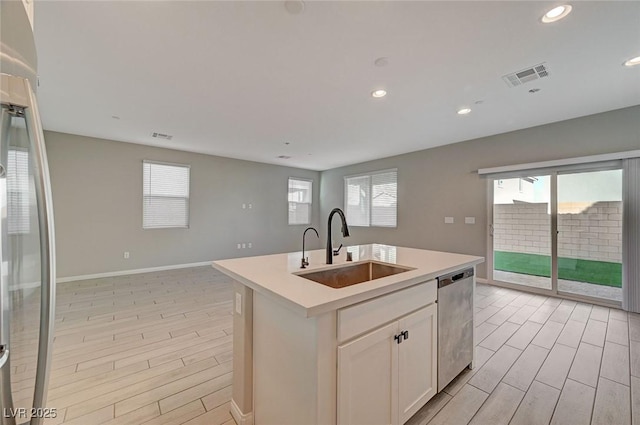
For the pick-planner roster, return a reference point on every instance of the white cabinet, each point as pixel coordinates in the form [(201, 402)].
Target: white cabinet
[(417, 361), (388, 374), (367, 381)]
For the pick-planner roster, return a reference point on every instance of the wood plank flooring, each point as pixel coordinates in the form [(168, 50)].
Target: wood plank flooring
[(156, 348), (151, 348), (543, 360)]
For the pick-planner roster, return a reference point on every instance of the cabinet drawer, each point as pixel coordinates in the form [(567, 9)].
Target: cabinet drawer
[(368, 315)]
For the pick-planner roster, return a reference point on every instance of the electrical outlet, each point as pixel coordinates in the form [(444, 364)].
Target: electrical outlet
[(244, 206), (239, 246), (250, 206), (249, 245), (448, 220), (126, 255), (244, 245), (470, 220)]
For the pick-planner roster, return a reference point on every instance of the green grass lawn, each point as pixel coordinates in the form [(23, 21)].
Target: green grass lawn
[(597, 272)]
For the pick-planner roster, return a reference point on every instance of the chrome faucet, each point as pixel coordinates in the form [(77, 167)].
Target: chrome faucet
[(345, 232), (305, 261)]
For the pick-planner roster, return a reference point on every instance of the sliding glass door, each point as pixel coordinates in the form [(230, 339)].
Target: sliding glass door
[(560, 232), (590, 234), (522, 231)]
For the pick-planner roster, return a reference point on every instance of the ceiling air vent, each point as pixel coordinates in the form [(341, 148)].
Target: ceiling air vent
[(526, 75), (162, 136)]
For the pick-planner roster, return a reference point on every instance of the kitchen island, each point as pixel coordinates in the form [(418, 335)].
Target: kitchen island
[(307, 353)]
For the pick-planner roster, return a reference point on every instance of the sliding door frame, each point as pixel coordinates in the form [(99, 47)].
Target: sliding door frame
[(553, 175)]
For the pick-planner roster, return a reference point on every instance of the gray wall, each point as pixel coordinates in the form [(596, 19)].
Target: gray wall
[(97, 193), (442, 181)]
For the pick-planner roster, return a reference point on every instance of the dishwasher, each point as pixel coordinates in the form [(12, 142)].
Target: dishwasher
[(455, 325)]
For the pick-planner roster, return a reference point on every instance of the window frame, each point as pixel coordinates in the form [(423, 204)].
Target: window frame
[(310, 203), (370, 176), (188, 198)]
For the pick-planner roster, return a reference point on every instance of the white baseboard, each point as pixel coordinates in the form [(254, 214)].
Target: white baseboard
[(238, 416), (133, 271)]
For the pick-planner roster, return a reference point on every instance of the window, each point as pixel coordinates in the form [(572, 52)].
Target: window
[(300, 198), (18, 192), (165, 195), (372, 199)]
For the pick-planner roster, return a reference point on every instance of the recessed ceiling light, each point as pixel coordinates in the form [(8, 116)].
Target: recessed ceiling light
[(294, 7), (633, 61), (556, 13), (379, 93), (464, 111)]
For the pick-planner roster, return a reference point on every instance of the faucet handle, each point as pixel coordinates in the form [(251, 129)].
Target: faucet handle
[(337, 251), (304, 263)]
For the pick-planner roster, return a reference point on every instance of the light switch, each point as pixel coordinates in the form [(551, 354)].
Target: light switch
[(470, 220), (448, 220)]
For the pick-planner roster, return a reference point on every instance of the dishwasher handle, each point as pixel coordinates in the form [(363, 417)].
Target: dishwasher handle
[(454, 277)]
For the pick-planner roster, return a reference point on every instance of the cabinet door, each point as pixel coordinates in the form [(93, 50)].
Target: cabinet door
[(417, 363), (368, 379)]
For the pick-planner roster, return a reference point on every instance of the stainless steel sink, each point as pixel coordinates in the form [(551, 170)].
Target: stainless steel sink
[(352, 274)]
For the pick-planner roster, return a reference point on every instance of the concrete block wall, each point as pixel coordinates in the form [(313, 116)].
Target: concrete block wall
[(521, 228), (592, 234)]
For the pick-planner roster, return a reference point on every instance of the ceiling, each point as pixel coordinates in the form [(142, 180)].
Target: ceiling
[(243, 79)]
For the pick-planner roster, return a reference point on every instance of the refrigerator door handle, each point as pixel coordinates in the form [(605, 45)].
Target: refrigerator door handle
[(47, 250), (5, 120), (6, 398)]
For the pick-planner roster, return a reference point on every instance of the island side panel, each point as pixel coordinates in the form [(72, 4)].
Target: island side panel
[(288, 387), (242, 392), (327, 364)]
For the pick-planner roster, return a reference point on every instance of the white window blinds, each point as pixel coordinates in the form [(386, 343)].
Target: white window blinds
[(372, 199), (165, 195), (18, 192), (358, 193), (300, 199)]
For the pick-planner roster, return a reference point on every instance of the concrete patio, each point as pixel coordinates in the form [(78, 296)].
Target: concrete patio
[(580, 288)]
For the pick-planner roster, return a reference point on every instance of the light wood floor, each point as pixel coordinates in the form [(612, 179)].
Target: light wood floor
[(156, 349), (544, 361), (150, 348)]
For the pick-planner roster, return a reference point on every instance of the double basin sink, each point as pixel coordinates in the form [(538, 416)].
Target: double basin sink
[(352, 274)]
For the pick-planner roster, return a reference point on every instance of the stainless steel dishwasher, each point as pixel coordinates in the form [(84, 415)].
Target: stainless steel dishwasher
[(455, 325)]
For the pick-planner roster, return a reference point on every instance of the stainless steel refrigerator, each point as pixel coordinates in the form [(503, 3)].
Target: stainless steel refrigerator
[(27, 256)]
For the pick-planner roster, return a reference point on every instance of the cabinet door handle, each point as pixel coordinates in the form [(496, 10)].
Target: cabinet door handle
[(398, 338), (405, 334)]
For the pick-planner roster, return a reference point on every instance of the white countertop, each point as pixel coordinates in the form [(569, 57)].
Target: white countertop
[(274, 275)]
